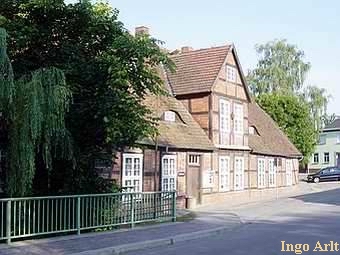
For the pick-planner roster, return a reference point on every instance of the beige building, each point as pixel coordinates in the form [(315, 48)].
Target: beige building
[(214, 143)]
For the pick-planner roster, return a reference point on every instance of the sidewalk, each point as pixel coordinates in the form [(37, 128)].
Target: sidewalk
[(125, 240), (268, 195)]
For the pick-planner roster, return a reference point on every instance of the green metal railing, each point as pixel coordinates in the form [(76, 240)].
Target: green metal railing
[(33, 216)]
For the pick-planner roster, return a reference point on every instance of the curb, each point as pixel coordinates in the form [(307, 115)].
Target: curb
[(121, 249)]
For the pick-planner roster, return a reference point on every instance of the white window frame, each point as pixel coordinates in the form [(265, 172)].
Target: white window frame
[(239, 173), (170, 116), (271, 173), (194, 159), (131, 176), (289, 172), (224, 119), (224, 173), (337, 138), (231, 73), (324, 157), (261, 173), (316, 162), (169, 172), (238, 118)]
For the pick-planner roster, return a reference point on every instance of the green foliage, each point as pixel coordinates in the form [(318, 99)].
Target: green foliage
[(34, 108), (318, 101), (281, 68), (291, 113), (281, 72), (6, 74), (109, 72)]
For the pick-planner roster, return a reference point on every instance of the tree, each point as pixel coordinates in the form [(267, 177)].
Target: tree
[(109, 72), (280, 75), (281, 68), (318, 101), (33, 110), (291, 113)]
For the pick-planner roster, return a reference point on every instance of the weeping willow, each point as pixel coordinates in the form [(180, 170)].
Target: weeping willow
[(34, 107), (6, 74)]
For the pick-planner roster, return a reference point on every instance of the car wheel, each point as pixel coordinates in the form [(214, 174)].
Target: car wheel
[(316, 180)]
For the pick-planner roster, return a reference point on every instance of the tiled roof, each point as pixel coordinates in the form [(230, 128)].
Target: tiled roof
[(197, 70), (334, 125), (270, 139), (184, 133)]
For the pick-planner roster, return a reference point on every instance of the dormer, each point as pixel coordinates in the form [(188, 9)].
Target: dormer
[(171, 116), (253, 130)]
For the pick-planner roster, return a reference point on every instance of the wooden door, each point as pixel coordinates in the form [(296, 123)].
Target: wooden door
[(193, 182)]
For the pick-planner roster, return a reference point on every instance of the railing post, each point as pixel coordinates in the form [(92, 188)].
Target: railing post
[(8, 221), (78, 215), (155, 205), (132, 210), (174, 206)]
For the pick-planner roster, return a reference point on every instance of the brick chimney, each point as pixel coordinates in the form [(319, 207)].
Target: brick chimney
[(185, 49), (142, 30)]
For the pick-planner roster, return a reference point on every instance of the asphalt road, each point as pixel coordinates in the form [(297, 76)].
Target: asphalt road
[(310, 220)]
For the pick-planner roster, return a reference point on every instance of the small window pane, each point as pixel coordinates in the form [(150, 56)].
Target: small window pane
[(231, 73), (194, 160)]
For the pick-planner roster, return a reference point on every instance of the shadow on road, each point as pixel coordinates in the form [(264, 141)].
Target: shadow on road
[(331, 197)]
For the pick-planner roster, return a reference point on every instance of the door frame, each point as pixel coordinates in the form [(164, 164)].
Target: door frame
[(168, 176), (243, 172), (227, 159), (132, 178)]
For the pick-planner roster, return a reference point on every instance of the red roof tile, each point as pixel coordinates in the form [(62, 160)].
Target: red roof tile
[(196, 71)]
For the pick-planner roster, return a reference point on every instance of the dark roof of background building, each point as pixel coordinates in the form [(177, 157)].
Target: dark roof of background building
[(334, 125), (270, 139)]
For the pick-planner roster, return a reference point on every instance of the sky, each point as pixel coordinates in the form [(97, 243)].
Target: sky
[(312, 25)]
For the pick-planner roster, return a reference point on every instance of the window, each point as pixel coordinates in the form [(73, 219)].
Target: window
[(132, 175), (169, 173), (194, 160), (277, 162), (253, 130), (261, 173), (271, 173), (316, 158), (332, 170), (224, 173), (224, 120), (239, 173), (170, 116), (208, 180), (231, 73), (326, 157), (325, 171), (238, 118), (103, 167), (289, 172), (338, 138), (322, 139)]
